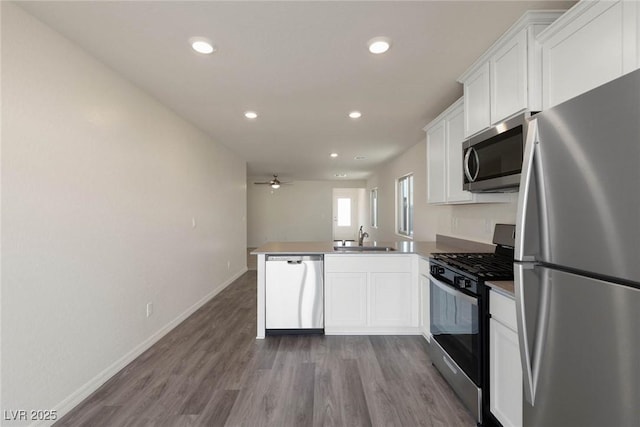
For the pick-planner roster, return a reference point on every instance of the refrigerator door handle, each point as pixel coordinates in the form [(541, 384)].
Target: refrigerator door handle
[(532, 214), (531, 355)]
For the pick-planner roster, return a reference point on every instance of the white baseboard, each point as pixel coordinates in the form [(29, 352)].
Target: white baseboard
[(83, 392)]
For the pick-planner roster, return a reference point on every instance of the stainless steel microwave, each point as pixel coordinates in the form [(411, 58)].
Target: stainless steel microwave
[(492, 160)]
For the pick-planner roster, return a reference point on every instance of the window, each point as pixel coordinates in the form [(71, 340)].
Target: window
[(405, 205), (373, 207), (344, 212)]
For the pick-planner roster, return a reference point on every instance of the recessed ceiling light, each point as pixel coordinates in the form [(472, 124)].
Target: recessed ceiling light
[(360, 157), (334, 155), (378, 45), (202, 45), (250, 114), (355, 114)]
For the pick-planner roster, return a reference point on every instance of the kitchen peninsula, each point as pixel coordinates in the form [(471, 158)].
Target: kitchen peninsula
[(381, 288)]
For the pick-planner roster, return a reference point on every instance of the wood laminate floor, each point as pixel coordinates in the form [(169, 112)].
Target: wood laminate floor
[(211, 371)]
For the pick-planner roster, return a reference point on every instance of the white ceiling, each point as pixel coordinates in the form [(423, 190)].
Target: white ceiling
[(301, 65)]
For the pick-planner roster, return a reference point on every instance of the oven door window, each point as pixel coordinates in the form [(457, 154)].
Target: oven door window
[(455, 325)]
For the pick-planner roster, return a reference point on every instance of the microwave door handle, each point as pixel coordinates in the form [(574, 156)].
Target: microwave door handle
[(475, 154), (467, 172)]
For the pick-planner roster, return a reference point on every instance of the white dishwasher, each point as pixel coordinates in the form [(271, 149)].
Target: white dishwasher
[(294, 294)]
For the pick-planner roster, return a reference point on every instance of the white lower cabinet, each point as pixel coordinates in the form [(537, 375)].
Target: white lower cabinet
[(346, 295), (425, 300), (504, 362), (370, 294), (390, 297)]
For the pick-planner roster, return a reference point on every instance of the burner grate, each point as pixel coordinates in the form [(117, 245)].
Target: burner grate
[(488, 265)]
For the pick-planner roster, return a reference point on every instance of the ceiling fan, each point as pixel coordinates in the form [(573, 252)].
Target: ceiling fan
[(274, 183)]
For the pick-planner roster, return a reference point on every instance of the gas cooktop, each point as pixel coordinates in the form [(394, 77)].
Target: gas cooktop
[(488, 266)]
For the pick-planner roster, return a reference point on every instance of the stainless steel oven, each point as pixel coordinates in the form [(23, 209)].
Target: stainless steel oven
[(455, 325), (456, 345), (459, 314)]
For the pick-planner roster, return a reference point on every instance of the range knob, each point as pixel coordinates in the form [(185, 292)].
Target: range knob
[(462, 281), (436, 270)]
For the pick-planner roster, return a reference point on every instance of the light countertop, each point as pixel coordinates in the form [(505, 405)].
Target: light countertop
[(505, 287), (423, 249)]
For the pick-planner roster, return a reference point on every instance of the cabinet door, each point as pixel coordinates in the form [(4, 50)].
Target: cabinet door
[(585, 53), (346, 299), (509, 78), (391, 301), (477, 107), (425, 320), (455, 137), (505, 375), (436, 163)]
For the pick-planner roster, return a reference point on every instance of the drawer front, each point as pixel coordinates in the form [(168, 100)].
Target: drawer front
[(368, 263), (503, 309), (468, 392)]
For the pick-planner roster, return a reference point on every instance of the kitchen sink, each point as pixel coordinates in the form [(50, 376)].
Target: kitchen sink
[(363, 248)]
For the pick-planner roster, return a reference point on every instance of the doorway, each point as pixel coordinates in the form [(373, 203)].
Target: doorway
[(349, 212)]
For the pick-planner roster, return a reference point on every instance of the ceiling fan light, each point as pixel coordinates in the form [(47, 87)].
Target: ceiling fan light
[(275, 185)]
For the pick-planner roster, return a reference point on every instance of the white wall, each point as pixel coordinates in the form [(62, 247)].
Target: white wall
[(476, 222), (384, 178), (472, 222), (299, 212), (99, 187)]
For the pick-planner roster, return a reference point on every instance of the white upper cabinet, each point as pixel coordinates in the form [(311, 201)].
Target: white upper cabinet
[(436, 164), (454, 126), (477, 94), (592, 44), (444, 161), (507, 78)]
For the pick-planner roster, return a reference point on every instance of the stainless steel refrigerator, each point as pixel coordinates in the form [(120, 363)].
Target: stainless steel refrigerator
[(577, 270)]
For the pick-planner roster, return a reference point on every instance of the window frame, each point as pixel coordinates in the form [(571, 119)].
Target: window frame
[(404, 216), (373, 207)]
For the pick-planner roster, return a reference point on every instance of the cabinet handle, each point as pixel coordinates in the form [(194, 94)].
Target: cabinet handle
[(453, 368)]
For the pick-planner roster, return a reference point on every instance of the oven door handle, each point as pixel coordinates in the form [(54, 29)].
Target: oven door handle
[(453, 291)]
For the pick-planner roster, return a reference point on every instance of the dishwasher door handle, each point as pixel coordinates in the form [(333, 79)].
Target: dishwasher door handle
[(294, 262)]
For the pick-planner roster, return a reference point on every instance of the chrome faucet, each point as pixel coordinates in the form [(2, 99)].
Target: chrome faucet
[(361, 236)]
